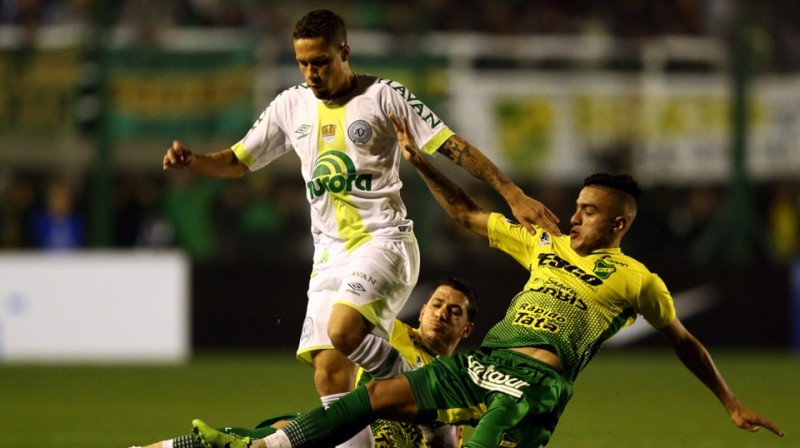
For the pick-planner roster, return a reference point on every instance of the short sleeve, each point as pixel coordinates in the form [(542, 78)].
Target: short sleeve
[(511, 238), (429, 131), (655, 302), (266, 140)]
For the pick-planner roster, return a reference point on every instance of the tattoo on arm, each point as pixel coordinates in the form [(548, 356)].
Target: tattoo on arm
[(448, 194), (460, 152)]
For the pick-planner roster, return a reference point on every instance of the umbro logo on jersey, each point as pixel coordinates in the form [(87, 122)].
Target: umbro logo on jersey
[(302, 131), (356, 287)]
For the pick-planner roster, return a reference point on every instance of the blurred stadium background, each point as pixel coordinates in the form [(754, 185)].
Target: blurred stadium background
[(124, 290)]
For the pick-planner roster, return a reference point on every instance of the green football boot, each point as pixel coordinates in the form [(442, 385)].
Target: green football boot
[(213, 438)]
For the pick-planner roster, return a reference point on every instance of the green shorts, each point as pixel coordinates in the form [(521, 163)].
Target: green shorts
[(515, 400)]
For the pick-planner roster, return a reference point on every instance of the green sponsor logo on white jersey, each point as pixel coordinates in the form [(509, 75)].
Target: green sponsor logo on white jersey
[(336, 173)]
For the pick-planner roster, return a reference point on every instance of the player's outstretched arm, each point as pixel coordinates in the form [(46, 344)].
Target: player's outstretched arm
[(457, 203), (527, 210), (697, 359), (221, 164)]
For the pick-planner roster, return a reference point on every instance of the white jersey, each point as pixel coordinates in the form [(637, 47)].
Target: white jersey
[(348, 153)]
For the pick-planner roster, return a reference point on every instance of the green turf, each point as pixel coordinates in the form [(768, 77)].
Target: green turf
[(624, 399)]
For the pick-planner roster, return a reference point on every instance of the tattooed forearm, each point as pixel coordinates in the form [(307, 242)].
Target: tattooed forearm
[(448, 194), (468, 157)]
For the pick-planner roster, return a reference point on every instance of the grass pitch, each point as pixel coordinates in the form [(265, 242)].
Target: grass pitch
[(623, 399)]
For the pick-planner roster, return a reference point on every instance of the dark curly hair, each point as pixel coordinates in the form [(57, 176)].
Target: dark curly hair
[(321, 23)]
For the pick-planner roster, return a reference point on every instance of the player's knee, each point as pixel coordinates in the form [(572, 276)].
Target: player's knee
[(346, 342), (347, 328), (333, 378)]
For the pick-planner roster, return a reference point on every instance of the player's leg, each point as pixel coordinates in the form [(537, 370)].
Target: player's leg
[(185, 441), (264, 429), (520, 416), (445, 396), (377, 281), (334, 376), (392, 399), (334, 373), (510, 422)]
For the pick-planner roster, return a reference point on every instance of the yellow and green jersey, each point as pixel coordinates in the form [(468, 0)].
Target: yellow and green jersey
[(572, 304), (348, 154), (390, 434)]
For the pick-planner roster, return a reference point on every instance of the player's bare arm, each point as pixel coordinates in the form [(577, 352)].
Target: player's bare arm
[(460, 206), (527, 210), (221, 164), (696, 358)]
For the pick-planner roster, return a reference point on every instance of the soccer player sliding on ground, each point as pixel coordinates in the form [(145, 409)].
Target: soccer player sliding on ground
[(582, 290), (447, 318)]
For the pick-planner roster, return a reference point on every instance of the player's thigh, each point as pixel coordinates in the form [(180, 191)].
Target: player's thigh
[(347, 327), (510, 421), (323, 288), (377, 280)]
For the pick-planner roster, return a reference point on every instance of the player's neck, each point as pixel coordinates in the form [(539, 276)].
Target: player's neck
[(348, 86)]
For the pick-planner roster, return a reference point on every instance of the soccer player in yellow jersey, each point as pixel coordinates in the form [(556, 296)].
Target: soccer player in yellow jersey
[(582, 290), (446, 318), (366, 258)]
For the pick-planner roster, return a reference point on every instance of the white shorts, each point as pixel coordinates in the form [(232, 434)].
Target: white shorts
[(375, 279)]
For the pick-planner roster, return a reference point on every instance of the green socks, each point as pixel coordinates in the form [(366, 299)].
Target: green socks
[(339, 422)]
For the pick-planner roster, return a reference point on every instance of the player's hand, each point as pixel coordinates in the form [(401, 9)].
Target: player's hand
[(408, 145), (178, 156), (749, 420), (529, 211)]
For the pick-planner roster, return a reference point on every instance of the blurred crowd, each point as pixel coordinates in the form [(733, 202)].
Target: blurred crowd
[(775, 22), (265, 217)]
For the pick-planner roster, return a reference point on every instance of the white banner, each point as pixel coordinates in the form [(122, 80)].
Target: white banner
[(663, 129), (94, 306)]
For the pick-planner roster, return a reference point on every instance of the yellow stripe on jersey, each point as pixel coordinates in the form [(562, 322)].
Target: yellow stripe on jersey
[(245, 157), (331, 140), (437, 141), (454, 415)]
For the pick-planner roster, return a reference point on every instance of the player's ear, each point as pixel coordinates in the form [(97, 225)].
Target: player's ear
[(345, 52), (468, 331), (620, 223)]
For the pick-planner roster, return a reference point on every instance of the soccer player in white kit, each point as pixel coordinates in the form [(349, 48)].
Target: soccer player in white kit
[(366, 258)]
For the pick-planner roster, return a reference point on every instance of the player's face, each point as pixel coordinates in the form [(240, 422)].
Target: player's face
[(596, 218), (444, 321), (324, 66)]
